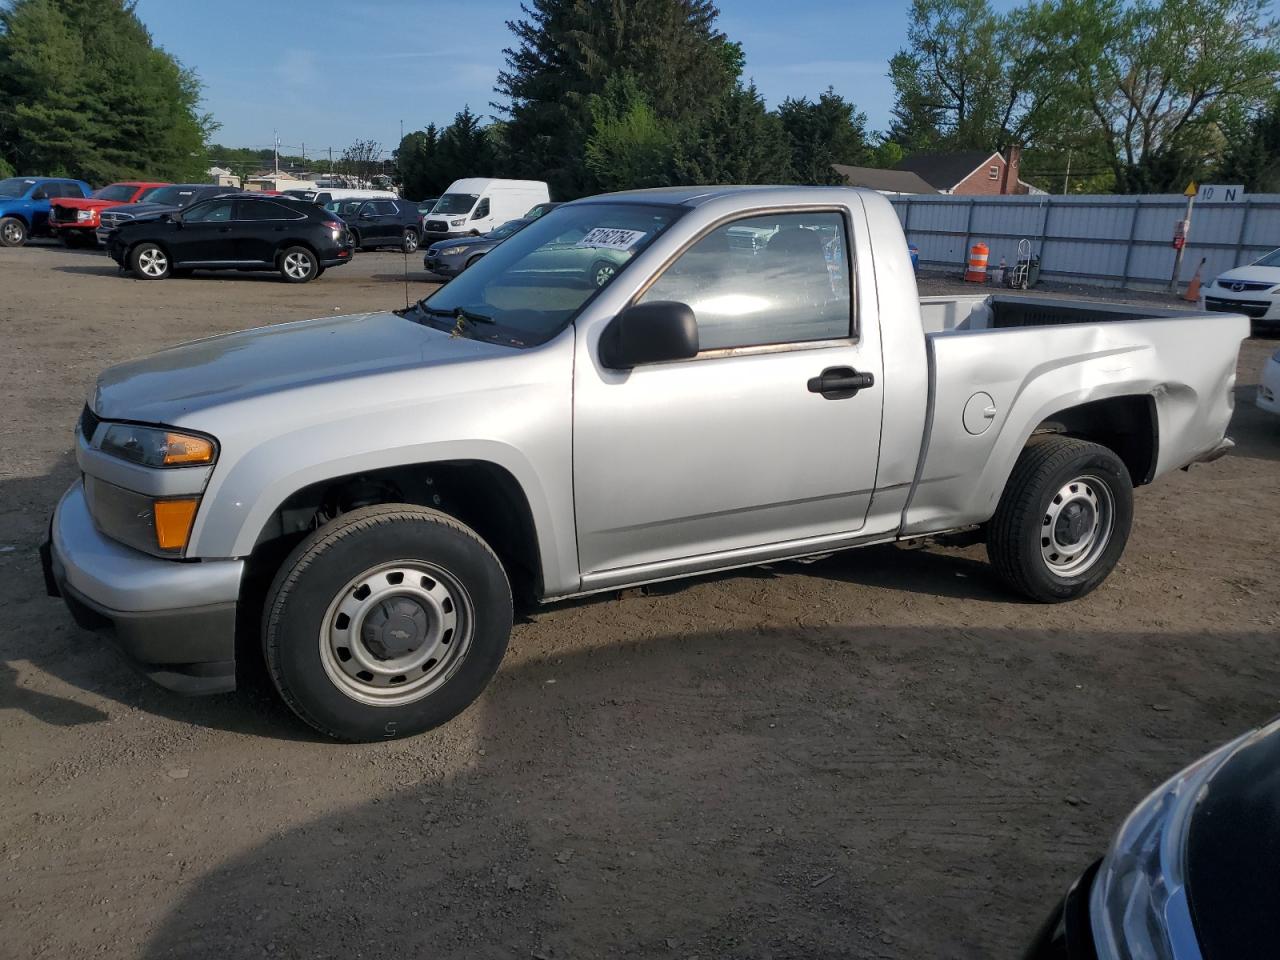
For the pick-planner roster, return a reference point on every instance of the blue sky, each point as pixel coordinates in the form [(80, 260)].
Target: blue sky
[(325, 73)]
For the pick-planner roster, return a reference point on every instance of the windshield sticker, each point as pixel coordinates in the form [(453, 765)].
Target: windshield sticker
[(611, 238)]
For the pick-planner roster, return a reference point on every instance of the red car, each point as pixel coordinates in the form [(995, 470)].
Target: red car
[(75, 220)]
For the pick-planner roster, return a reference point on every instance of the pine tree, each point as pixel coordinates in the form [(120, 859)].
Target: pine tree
[(822, 132), (85, 92), (567, 50)]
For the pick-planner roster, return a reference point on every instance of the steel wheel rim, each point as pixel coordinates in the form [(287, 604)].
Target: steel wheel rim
[(153, 262), (12, 233), (396, 633), (410, 241), (1076, 526), (604, 273), (297, 265)]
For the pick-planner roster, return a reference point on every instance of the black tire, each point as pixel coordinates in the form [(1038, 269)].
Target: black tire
[(330, 568), (410, 240), (13, 232), (355, 242), (1054, 476), (472, 262), (298, 265), (150, 261), (78, 240)]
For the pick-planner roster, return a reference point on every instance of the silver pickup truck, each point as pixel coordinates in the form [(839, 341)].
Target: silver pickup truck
[(636, 387)]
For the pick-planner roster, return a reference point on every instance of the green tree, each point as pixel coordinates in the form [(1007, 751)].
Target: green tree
[(416, 163), (737, 141), (822, 132), (567, 50), (85, 92), (629, 146), (1253, 152), (466, 149), (1157, 79)]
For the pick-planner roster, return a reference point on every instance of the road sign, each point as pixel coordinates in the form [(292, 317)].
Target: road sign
[(1220, 193), (1191, 189)]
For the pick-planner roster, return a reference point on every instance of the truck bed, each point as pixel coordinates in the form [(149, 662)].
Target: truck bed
[(1000, 366), (1002, 311)]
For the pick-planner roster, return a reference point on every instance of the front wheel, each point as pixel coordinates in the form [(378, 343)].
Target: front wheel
[(410, 241), (602, 272), (13, 232), (1063, 519), (149, 262), (298, 265), (386, 622)]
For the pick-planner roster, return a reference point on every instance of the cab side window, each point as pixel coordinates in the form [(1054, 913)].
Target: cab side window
[(782, 278), (482, 210)]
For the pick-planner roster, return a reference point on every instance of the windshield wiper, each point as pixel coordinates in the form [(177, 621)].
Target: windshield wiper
[(460, 316)]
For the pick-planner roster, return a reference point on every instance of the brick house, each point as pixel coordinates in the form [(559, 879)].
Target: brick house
[(969, 172)]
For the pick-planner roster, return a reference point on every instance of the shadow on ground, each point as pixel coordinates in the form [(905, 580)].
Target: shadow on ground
[(770, 793)]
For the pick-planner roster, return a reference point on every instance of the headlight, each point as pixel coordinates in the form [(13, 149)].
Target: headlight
[(458, 223), (157, 447), (450, 251), (82, 215), (1138, 905)]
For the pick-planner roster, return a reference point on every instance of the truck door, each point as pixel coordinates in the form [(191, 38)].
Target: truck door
[(758, 439)]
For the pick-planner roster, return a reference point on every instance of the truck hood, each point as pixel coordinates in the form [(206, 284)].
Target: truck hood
[(1251, 275), (86, 203), (168, 386)]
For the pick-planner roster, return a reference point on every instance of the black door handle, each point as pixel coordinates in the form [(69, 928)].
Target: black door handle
[(839, 383)]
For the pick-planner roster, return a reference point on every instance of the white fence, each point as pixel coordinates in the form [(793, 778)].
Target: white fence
[(1106, 241)]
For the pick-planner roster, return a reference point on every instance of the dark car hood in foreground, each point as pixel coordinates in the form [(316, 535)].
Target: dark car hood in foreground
[(461, 242), (1233, 854), (140, 210), (207, 373)]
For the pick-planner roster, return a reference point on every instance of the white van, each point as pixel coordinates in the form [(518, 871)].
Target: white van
[(326, 195), (479, 204)]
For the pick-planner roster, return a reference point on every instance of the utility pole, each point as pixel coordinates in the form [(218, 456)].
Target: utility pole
[(402, 131), (1067, 178), (1185, 234), (275, 149)]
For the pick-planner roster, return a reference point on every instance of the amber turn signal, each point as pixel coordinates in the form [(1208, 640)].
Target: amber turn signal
[(173, 522), (181, 449)]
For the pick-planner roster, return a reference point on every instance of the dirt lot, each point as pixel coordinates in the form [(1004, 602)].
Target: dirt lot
[(877, 755)]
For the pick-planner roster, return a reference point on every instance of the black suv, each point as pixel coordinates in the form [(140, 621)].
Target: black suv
[(242, 232), (378, 222)]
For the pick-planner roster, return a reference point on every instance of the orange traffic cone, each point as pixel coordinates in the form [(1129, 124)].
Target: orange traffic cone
[(1193, 288)]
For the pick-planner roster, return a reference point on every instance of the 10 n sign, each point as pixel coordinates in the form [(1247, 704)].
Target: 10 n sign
[(1220, 193)]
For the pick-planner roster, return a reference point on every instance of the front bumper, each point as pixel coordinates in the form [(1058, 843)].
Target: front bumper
[(442, 267), (176, 619), (1067, 933), (1260, 308)]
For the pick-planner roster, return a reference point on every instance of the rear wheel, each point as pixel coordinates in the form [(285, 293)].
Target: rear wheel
[(298, 265), (13, 232), (602, 272), (149, 262), (1063, 520), (355, 242), (386, 622), (410, 241)]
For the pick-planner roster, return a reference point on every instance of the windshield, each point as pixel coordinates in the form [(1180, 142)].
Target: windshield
[(117, 191), (14, 186), (507, 229), (527, 289), (454, 203), (174, 196), (1272, 259)]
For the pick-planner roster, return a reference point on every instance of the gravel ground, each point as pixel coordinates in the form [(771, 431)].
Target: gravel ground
[(881, 754)]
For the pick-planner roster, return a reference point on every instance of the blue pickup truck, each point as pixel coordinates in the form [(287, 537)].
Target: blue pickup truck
[(24, 205)]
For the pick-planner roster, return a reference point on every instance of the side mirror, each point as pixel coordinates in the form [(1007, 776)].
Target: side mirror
[(650, 333)]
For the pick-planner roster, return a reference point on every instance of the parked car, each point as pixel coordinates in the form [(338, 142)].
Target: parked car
[(448, 258), (76, 219), (168, 199), (326, 195), (395, 478), (25, 204), (1253, 290), (1269, 388), (477, 205), (383, 223), (243, 232), (1192, 872)]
